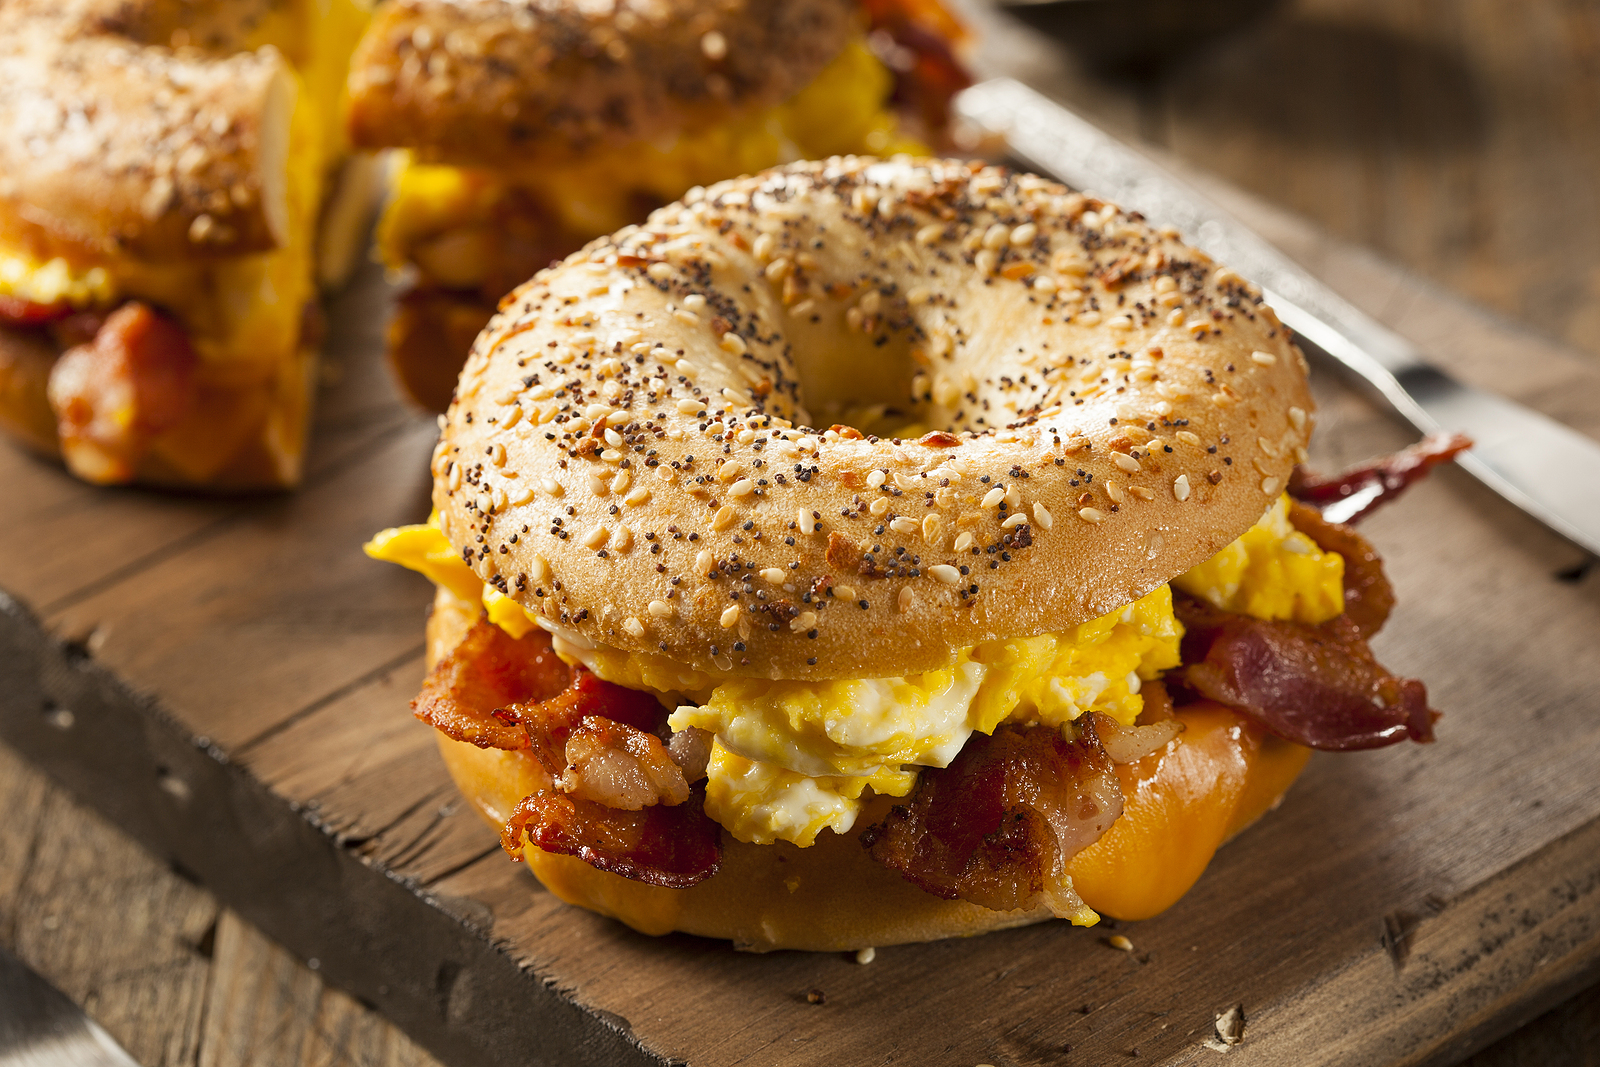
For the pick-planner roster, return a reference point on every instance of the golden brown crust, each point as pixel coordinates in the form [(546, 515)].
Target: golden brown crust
[(118, 148), (1122, 409), (491, 82)]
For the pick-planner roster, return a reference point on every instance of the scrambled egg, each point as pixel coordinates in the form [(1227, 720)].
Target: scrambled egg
[(793, 758), (841, 111), (1273, 572), (238, 309)]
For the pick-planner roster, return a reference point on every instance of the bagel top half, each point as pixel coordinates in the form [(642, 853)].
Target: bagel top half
[(490, 81), (632, 453)]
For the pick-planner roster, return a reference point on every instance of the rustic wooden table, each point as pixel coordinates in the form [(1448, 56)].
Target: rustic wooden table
[(1457, 138)]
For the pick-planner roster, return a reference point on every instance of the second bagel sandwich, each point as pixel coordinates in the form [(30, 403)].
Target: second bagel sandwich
[(531, 129), (1027, 631)]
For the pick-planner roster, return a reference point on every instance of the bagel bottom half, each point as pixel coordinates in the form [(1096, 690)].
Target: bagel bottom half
[(1182, 803)]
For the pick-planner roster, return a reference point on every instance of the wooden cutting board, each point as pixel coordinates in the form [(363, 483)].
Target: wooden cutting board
[(227, 680)]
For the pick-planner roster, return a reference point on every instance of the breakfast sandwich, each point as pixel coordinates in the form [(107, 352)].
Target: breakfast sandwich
[(163, 169), (1041, 619), (530, 129)]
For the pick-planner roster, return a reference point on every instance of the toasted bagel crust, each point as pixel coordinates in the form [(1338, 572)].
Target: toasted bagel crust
[(489, 82), (115, 146), (628, 456)]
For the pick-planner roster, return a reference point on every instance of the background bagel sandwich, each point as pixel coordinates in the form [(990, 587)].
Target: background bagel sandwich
[(162, 172), (532, 129), (1027, 632)]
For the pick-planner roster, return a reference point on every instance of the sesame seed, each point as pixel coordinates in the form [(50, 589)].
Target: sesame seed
[(877, 478), (1180, 487), (596, 412), (1091, 514), (730, 616), (596, 537), (633, 627), (1297, 418), (1120, 943), (1024, 234), (726, 516), (1187, 437), (1014, 521), (1013, 497), (997, 236), (687, 317), (904, 525), (1269, 486), (539, 570), (879, 507), (907, 599), (986, 261), (806, 521), (774, 575), (866, 955), (702, 562), (660, 609), (623, 540), (929, 233), (932, 528), (992, 498), (945, 573), (1125, 461), (1142, 492), (1042, 516), (1266, 359), (639, 496), (963, 542), (733, 343), (742, 487)]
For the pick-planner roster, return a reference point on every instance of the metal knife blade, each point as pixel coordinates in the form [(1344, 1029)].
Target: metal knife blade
[(40, 1027), (1543, 467)]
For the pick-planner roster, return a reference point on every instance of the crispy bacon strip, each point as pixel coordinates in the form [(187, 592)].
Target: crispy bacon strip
[(1315, 685), (616, 799), (1358, 492), (619, 766), (16, 311), (998, 825), (487, 672), (673, 846), (1368, 596), (114, 394), (916, 40)]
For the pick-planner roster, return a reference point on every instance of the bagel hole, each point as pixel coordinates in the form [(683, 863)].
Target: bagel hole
[(863, 382)]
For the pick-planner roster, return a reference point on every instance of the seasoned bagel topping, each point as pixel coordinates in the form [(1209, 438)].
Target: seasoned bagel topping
[(1086, 407), (488, 81)]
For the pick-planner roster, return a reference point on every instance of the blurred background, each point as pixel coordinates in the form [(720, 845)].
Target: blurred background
[(1457, 138)]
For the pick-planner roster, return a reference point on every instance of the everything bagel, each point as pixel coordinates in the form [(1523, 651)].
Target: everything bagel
[(632, 454), (1033, 619)]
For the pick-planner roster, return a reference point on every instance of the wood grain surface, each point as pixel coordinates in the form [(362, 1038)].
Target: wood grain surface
[(225, 680)]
